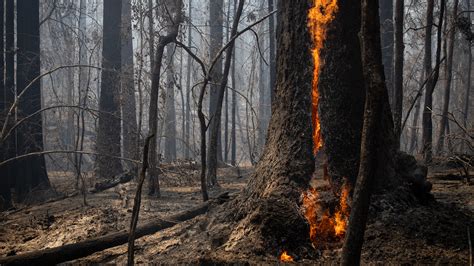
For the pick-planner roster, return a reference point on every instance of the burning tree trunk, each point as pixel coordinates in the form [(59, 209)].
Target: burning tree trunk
[(267, 210), (341, 90)]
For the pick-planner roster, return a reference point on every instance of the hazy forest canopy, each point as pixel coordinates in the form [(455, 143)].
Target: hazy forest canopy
[(236, 131)]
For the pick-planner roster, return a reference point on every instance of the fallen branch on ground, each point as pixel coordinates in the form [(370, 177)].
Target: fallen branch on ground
[(85, 248)]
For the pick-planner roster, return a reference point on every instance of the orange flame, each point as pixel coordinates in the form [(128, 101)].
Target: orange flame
[(284, 257), (324, 226), (319, 17)]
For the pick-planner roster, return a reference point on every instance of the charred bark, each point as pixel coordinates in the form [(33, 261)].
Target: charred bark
[(268, 209), (342, 94)]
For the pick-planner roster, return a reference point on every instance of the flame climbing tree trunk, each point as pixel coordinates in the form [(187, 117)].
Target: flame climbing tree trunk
[(341, 93), (267, 210)]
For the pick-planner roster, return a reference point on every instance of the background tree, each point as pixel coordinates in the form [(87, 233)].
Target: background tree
[(31, 171), (216, 23), (108, 133), (431, 77), (130, 132)]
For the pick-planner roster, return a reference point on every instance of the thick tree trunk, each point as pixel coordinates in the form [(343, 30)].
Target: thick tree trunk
[(30, 172), (267, 210), (342, 94), (108, 134), (449, 76), (432, 78), (399, 47), (130, 132)]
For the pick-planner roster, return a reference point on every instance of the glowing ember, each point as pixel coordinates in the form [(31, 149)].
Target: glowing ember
[(324, 226), (284, 257), (319, 17)]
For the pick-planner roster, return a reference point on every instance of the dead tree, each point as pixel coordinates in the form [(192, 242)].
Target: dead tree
[(427, 122), (449, 77), (154, 185), (214, 128)]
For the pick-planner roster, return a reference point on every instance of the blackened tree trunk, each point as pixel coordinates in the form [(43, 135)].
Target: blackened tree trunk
[(31, 171), (214, 129), (432, 77), (449, 77), (216, 23), (108, 135), (398, 52), (342, 94), (370, 162), (130, 132), (267, 210), (387, 29)]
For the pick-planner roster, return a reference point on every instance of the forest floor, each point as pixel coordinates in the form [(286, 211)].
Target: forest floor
[(432, 232)]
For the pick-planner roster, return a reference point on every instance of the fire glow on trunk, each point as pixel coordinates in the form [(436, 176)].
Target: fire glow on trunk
[(324, 225), (319, 17)]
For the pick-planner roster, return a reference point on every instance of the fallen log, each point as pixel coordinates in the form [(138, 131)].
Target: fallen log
[(85, 248), (104, 185)]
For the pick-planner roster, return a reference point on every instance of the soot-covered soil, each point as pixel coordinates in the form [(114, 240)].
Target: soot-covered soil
[(400, 229)]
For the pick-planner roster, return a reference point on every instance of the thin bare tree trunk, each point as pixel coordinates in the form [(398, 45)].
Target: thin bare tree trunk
[(449, 76), (432, 79), (373, 116), (214, 127)]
